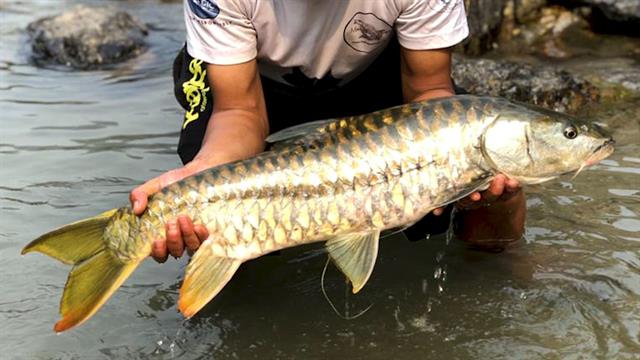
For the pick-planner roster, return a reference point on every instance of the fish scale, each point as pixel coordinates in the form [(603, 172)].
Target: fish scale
[(339, 147), (341, 181)]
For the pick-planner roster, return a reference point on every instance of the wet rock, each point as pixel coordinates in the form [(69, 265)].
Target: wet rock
[(485, 19), (540, 85), (616, 77), (526, 10), (545, 34), (87, 37), (623, 11)]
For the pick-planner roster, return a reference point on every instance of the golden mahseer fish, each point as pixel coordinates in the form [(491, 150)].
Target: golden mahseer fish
[(342, 181)]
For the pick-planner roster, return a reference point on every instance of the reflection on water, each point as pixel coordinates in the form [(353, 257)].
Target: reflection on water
[(74, 143)]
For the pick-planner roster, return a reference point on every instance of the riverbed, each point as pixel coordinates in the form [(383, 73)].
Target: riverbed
[(73, 144)]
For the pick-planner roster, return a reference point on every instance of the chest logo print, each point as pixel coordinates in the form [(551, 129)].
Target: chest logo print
[(366, 32)]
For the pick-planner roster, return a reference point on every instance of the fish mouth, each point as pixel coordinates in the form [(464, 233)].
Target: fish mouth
[(601, 152)]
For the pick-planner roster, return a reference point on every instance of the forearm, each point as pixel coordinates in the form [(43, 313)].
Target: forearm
[(431, 94), (416, 92), (231, 135)]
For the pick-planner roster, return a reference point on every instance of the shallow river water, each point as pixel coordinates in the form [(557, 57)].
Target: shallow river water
[(73, 144)]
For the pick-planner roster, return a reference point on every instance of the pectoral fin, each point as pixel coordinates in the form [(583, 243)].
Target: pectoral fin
[(355, 255), (205, 276)]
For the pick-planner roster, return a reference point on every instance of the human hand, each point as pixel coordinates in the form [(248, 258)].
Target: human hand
[(180, 233), (493, 219), (501, 188)]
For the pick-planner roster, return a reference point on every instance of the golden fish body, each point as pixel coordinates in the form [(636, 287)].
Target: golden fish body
[(341, 181), (357, 174)]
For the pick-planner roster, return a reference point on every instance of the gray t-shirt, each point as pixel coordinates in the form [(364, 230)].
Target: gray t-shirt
[(319, 39)]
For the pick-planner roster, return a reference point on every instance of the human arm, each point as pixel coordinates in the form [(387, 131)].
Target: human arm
[(498, 212), (236, 130)]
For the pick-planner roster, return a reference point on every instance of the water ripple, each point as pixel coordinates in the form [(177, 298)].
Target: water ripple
[(94, 125), (24, 202), (43, 102)]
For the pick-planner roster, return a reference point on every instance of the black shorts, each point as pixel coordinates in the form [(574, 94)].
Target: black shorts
[(378, 87)]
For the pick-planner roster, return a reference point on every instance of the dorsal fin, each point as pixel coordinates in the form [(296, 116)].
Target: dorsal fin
[(299, 135)]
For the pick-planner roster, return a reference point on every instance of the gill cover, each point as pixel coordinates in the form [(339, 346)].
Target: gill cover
[(506, 147)]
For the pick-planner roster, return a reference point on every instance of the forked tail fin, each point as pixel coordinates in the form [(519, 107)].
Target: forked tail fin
[(97, 271)]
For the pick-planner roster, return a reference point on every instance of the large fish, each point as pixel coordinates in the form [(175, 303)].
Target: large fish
[(342, 181)]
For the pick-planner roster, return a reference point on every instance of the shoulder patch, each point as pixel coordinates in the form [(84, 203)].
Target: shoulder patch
[(204, 9)]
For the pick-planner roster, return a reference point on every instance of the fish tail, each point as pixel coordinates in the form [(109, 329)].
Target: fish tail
[(97, 271)]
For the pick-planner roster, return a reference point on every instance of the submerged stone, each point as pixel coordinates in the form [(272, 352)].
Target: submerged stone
[(87, 37), (539, 85)]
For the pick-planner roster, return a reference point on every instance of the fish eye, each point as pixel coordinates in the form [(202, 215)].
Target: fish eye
[(570, 132)]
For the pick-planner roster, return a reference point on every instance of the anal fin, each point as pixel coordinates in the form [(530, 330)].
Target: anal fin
[(355, 255), (205, 276)]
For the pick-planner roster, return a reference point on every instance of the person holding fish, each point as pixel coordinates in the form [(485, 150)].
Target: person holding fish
[(252, 67)]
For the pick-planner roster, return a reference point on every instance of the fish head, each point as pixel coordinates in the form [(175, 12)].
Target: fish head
[(533, 144)]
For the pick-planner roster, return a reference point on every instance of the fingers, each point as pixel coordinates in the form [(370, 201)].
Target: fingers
[(175, 243), (512, 185), (159, 251), (496, 188), (202, 232), (138, 199), (180, 235), (499, 187), (191, 238), (139, 195)]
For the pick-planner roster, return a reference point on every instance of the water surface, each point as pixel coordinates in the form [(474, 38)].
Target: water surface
[(73, 144)]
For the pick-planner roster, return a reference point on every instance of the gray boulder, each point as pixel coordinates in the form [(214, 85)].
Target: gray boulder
[(87, 37), (623, 11), (539, 85)]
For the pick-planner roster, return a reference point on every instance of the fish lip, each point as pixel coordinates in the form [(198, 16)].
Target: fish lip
[(609, 143), (601, 152)]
